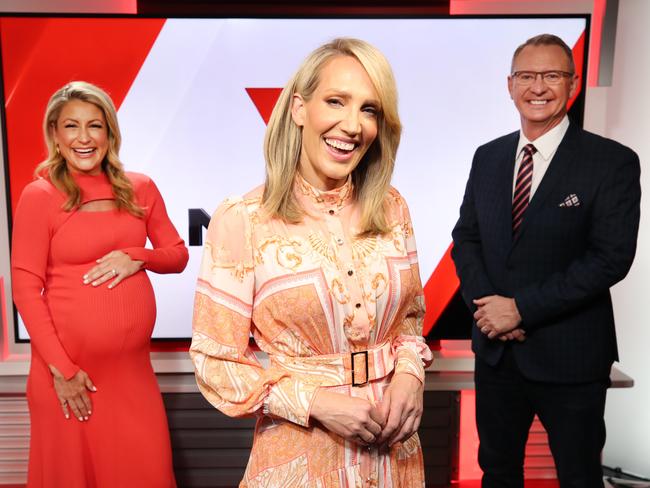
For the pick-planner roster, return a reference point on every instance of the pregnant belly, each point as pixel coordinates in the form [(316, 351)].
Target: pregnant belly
[(98, 322)]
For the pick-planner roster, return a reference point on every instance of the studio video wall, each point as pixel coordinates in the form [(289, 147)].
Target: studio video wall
[(194, 95)]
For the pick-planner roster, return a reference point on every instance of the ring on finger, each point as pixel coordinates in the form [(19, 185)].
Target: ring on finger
[(114, 272)]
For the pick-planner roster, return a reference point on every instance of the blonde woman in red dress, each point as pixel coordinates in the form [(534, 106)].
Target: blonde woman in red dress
[(79, 274), (320, 265)]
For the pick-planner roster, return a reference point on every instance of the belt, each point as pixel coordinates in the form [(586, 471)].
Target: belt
[(356, 368)]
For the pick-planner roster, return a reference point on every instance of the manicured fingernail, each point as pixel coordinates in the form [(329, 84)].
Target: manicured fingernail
[(85, 418), (94, 388), (67, 416), (85, 281), (95, 283), (85, 277), (89, 412), (110, 286), (81, 419)]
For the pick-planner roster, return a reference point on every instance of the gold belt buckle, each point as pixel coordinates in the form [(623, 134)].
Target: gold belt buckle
[(365, 356)]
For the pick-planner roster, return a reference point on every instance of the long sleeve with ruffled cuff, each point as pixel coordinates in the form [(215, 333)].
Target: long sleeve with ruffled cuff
[(228, 372), (412, 352)]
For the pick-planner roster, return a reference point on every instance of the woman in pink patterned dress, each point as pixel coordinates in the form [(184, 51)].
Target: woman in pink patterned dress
[(320, 265)]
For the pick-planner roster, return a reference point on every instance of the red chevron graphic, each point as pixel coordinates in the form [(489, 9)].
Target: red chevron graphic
[(264, 100), (578, 59), (439, 289)]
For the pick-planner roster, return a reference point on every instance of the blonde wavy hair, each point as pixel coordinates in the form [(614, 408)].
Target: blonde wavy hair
[(55, 167), (283, 140)]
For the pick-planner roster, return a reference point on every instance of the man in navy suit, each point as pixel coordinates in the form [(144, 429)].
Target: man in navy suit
[(547, 225)]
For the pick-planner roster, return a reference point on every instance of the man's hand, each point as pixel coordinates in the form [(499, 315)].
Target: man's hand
[(496, 315), (514, 335)]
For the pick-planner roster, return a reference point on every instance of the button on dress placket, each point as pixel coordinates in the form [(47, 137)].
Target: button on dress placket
[(343, 244), (369, 455)]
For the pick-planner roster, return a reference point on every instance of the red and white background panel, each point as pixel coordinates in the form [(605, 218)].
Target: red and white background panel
[(193, 98)]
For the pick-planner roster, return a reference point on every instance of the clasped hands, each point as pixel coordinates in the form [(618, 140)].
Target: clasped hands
[(498, 317), (393, 420), (116, 265)]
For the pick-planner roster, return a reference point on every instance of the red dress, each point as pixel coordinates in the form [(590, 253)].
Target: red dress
[(103, 331)]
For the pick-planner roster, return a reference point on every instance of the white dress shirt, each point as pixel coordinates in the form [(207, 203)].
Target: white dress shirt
[(546, 146)]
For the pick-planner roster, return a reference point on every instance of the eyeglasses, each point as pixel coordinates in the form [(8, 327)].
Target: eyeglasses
[(553, 77)]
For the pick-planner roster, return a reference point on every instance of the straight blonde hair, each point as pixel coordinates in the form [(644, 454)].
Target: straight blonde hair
[(55, 167), (283, 140)]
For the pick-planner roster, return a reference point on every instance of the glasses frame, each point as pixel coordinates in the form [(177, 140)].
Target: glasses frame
[(515, 76)]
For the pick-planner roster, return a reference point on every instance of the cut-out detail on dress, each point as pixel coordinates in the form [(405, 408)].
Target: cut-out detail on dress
[(104, 205)]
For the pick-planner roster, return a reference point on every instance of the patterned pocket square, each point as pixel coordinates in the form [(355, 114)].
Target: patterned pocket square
[(570, 201)]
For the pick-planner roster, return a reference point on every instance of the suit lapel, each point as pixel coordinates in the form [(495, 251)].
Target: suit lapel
[(552, 177), (506, 168)]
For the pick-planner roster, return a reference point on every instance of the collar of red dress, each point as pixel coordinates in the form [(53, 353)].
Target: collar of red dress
[(321, 200), (93, 187)]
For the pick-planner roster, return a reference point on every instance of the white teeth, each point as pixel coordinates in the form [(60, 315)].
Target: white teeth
[(84, 151), (344, 146), (538, 102)]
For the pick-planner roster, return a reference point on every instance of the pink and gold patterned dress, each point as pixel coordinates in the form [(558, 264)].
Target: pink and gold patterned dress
[(311, 294)]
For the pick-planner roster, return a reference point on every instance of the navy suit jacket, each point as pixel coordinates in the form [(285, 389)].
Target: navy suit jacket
[(564, 259)]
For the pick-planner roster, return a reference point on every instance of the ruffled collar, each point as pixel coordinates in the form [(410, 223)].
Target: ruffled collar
[(93, 187), (321, 200)]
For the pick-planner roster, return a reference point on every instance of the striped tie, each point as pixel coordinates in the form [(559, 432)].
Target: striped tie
[(521, 196)]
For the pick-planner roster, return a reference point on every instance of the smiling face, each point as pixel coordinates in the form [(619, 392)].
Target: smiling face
[(541, 107), (81, 136), (339, 122)]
